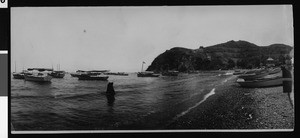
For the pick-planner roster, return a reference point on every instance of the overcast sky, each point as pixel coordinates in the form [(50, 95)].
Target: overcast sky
[(121, 38)]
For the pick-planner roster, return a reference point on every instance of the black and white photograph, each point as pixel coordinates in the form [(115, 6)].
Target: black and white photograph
[(205, 68)]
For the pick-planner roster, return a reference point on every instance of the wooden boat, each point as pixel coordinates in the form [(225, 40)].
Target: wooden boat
[(147, 74), (117, 73), (274, 71), (19, 75), (170, 73), (251, 75), (40, 77), (238, 72), (92, 77), (258, 83), (77, 73), (57, 74)]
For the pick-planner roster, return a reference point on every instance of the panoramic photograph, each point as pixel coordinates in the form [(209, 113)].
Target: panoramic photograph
[(152, 69)]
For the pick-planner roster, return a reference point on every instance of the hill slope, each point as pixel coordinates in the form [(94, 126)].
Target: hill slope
[(227, 55)]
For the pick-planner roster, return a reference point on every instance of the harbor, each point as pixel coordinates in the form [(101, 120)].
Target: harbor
[(152, 68), (221, 104)]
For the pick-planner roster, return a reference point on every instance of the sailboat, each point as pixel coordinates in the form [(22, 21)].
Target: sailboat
[(147, 73), (58, 73), (18, 75)]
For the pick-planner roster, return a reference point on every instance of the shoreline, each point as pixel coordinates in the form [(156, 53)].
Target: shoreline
[(234, 107)]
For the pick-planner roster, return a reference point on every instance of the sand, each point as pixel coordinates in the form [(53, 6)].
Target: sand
[(233, 107)]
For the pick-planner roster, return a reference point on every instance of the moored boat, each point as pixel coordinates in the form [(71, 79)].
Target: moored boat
[(92, 77), (116, 73), (170, 73), (40, 76), (147, 74), (19, 75), (57, 74)]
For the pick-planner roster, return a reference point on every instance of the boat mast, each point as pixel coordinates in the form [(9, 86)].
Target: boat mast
[(15, 66), (142, 66)]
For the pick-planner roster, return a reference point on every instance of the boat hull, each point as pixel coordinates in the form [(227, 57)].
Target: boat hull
[(261, 83), (57, 75), (147, 75), (87, 77), (253, 76), (18, 76), (38, 79)]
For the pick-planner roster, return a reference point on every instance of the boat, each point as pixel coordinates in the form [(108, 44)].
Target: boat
[(170, 73), (116, 73), (253, 74), (40, 76), (262, 82), (238, 72), (147, 74), (57, 74), (274, 70), (18, 75), (94, 72), (77, 73), (92, 77)]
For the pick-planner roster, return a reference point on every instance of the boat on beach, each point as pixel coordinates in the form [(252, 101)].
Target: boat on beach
[(253, 74), (263, 82)]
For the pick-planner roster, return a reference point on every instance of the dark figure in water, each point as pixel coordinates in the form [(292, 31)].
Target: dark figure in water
[(110, 89), (110, 94)]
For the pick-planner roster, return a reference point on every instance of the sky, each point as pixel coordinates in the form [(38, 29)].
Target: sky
[(121, 38)]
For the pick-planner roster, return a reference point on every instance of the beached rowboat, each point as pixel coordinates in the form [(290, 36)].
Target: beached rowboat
[(254, 75), (269, 82)]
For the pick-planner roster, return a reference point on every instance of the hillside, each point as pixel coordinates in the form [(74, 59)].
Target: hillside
[(241, 54)]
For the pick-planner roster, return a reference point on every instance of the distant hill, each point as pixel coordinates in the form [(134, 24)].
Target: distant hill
[(232, 54)]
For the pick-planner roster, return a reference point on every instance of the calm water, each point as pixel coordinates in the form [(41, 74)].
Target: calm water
[(140, 103)]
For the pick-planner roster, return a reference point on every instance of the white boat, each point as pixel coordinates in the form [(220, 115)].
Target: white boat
[(39, 77)]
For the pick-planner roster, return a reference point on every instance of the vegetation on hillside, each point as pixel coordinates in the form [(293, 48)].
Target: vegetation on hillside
[(229, 55)]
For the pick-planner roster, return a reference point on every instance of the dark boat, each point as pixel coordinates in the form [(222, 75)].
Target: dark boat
[(117, 73), (147, 74), (57, 74), (170, 73), (19, 75), (92, 77), (263, 82)]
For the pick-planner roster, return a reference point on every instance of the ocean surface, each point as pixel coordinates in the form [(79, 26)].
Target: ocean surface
[(140, 103)]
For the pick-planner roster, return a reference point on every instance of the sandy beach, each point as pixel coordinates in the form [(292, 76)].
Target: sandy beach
[(233, 107)]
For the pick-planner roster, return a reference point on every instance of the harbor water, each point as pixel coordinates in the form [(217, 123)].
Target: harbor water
[(140, 103)]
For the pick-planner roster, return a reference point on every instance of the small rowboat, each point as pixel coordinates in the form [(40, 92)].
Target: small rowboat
[(269, 82), (254, 75)]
